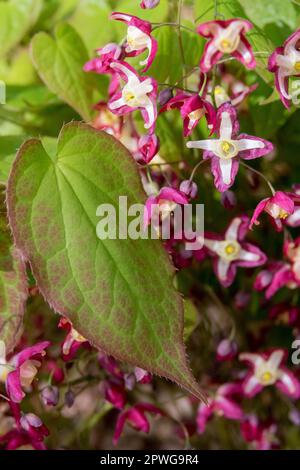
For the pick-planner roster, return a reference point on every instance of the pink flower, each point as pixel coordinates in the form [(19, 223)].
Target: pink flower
[(136, 417), (261, 435), (107, 121), (226, 37), (264, 277), (110, 365), (50, 395), (73, 341), (163, 204), (149, 4), (284, 314), (279, 207), (226, 350), (192, 109), (189, 188), (142, 376), (293, 220), (287, 272), (230, 251), (148, 147), (115, 394), (138, 38), (240, 91), (106, 55), (57, 373), (138, 93), (267, 369), (25, 367), (226, 151), (30, 430), (221, 405), (285, 63)]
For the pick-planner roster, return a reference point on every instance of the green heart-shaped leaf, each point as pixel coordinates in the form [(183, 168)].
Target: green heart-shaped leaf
[(119, 294), (13, 285), (59, 63)]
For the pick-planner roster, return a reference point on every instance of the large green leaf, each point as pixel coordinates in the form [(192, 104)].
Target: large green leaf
[(16, 17), (204, 10), (59, 63), (118, 293), (270, 11), (13, 285), (167, 63), (95, 14)]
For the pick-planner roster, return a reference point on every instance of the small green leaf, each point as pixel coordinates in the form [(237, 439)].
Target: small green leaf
[(59, 63), (13, 285), (118, 293)]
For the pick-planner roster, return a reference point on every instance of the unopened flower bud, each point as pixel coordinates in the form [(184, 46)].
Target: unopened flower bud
[(228, 199), (50, 395), (226, 350), (189, 188), (148, 4), (164, 96), (69, 398), (242, 299), (130, 381), (30, 419)]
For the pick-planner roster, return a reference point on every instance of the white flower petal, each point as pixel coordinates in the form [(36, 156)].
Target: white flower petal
[(211, 145), (225, 169), (251, 384), (281, 82), (223, 266), (213, 245), (149, 107), (122, 68), (248, 144), (275, 359), (117, 104), (248, 256), (225, 127), (233, 229)]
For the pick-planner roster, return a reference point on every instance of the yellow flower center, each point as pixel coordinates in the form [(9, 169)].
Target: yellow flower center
[(297, 66), (225, 44), (218, 90), (130, 41), (227, 149), (129, 97), (229, 250), (266, 378), (282, 214)]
